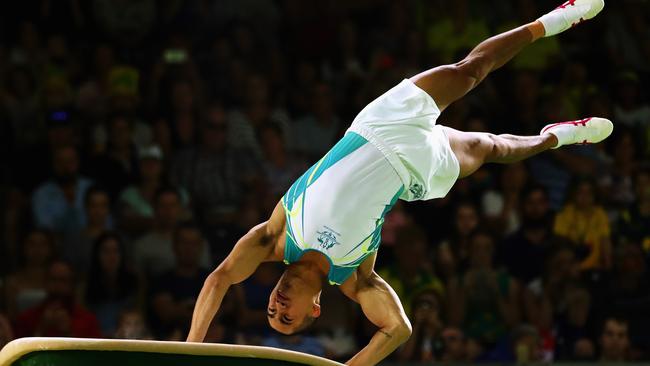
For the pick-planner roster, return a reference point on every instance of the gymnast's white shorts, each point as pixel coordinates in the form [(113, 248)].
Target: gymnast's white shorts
[(401, 123)]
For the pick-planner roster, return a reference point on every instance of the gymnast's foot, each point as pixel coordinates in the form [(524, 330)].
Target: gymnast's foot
[(584, 131), (570, 14)]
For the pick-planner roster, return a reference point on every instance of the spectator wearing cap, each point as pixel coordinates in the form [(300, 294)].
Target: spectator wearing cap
[(58, 204), (123, 98), (136, 202)]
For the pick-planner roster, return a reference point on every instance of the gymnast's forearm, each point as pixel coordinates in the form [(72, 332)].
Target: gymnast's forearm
[(207, 305), (382, 307), (382, 344)]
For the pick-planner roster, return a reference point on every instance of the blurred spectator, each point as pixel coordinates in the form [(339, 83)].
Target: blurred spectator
[(36, 161), (120, 88), (453, 346), (397, 219), (526, 88), (522, 252), (318, 130), (257, 110), (522, 347), (117, 166), (111, 287), (126, 22), (572, 333), (427, 327), (180, 128), (22, 106), (625, 36), (154, 253), (136, 202), (586, 224), (627, 291), (6, 333), (411, 273), (452, 254), (614, 340), (634, 221), (109, 78), (220, 179), (280, 167), (58, 204), (548, 297), (500, 206), (482, 300), (93, 96), (174, 293), (618, 185), (629, 107), (297, 342), (59, 315), (449, 35), (335, 327), (27, 286), (77, 249), (131, 325), (253, 299)]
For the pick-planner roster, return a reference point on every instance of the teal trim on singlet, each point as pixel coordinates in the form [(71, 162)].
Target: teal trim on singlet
[(293, 250), (346, 146)]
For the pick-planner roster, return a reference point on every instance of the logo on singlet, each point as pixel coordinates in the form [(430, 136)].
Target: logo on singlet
[(327, 238), (417, 191)]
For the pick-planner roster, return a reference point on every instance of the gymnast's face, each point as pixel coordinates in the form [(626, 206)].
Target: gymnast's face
[(291, 309)]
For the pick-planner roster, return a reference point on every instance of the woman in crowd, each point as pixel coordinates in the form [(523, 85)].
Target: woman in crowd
[(111, 286)]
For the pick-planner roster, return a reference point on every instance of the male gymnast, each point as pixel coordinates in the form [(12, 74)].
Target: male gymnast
[(327, 227)]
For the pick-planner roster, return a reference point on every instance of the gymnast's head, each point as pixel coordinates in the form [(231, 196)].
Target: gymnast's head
[(294, 303)]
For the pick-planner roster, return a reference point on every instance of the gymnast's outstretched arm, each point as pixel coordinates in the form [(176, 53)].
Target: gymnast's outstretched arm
[(257, 246), (382, 307)]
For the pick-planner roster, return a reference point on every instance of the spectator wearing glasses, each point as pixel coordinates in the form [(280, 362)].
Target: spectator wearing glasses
[(222, 180)]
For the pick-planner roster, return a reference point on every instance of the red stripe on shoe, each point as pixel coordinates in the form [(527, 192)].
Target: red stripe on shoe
[(570, 2), (580, 122)]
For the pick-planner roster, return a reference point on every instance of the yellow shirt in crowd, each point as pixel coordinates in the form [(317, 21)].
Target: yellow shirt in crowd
[(588, 228)]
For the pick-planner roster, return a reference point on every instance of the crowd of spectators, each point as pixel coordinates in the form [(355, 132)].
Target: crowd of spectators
[(139, 139)]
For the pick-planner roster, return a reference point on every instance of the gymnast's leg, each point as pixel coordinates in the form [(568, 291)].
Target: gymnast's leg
[(449, 83)]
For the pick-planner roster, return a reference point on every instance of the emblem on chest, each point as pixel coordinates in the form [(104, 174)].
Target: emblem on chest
[(327, 238)]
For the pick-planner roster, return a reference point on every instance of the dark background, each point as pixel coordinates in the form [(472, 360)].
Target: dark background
[(140, 139)]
